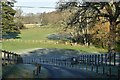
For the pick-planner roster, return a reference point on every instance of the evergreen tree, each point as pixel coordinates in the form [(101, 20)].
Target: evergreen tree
[(8, 24)]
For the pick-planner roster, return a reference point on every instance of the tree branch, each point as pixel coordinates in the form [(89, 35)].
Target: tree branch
[(117, 22), (103, 15)]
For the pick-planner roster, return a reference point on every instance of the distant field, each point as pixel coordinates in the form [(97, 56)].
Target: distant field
[(36, 33), (36, 38), (31, 25)]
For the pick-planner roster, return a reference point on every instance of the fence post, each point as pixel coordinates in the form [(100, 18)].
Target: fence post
[(82, 59), (119, 65), (15, 58), (114, 59), (85, 59), (102, 59), (106, 59), (38, 68), (92, 62), (95, 59), (4, 58), (119, 59), (11, 59), (8, 57), (98, 59), (110, 56), (87, 64), (96, 63), (20, 60), (90, 59)]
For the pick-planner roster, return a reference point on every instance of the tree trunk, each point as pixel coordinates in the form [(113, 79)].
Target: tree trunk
[(87, 39), (112, 37), (84, 38)]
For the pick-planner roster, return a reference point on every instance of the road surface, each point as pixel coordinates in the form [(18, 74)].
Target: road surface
[(47, 71), (54, 71)]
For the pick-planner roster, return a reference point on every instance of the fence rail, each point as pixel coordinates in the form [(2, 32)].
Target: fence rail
[(106, 64), (9, 57)]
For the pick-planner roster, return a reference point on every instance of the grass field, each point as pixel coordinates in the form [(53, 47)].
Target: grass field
[(36, 33), (37, 38)]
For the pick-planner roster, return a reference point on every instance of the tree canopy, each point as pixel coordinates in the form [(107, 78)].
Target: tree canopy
[(87, 14), (8, 24)]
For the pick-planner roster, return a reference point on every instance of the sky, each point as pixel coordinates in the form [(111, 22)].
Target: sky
[(36, 4)]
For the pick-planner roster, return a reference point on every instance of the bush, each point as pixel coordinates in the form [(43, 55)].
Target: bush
[(20, 25), (59, 37)]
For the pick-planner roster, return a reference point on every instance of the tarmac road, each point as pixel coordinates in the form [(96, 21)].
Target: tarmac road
[(63, 72)]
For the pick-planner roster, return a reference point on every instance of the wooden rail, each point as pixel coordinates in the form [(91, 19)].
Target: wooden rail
[(101, 59), (9, 57), (106, 64)]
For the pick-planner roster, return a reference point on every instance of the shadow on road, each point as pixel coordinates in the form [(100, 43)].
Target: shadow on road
[(52, 53)]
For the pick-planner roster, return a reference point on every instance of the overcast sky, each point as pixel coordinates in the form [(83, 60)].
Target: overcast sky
[(35, 4)]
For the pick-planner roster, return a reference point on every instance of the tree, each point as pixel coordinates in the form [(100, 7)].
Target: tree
[(8, 24), (18, 19), (18, 13), (110, 11)]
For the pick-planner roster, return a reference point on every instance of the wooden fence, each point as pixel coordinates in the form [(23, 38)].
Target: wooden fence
[(106, 64), (9, 57)]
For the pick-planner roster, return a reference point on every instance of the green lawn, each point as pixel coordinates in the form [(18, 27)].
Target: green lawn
[(36, 33), (36, 38)]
